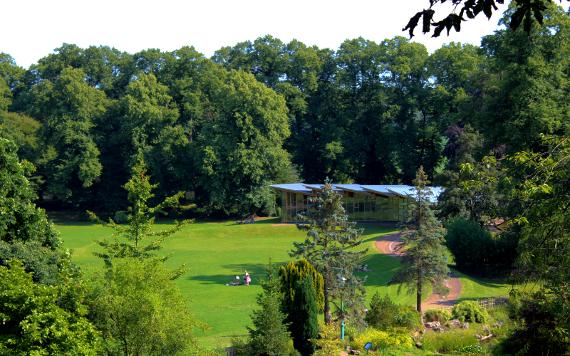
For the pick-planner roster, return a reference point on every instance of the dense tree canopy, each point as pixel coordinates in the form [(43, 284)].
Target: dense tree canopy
[(368, 112), (242, 147), (68, 107)]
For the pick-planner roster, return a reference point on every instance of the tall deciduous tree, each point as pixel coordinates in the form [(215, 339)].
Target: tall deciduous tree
[(68, 109), (528, 86), (5, 95), (331, 245), (539, 188), (12, 76), (425, 258), (24, 132), (242, 145), (474, 192), (25, 232), (147, 119), (545, 196)]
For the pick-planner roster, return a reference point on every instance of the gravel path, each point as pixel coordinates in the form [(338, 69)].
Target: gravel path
[(390, 245)]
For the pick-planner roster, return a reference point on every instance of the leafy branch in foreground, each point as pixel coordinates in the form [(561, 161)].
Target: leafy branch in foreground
[(525, 12), (129, 240)]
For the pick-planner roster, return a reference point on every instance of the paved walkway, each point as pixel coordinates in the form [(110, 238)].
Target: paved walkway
[(390, 245)]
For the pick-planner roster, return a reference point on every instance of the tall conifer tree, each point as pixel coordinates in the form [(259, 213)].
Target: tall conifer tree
[(269, 335), (425, 259), (332, 247), (131, 239)]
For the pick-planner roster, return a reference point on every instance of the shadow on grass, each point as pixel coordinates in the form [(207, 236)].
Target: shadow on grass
[(265, 221), (381, 269), (487, 282), (373, 233), (257, 271), (220, 279), (74, 223)]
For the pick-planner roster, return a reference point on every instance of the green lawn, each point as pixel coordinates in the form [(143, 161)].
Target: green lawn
[(214, 252)]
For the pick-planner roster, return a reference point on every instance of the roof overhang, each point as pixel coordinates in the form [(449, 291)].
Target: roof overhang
[(386, 190)]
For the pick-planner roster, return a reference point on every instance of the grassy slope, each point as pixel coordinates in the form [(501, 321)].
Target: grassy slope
[(214, 252)]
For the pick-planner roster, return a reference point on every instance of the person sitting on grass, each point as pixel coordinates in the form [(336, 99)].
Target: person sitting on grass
[(247, 279)]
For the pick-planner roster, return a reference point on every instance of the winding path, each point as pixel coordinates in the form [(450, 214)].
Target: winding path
[(390, 245)]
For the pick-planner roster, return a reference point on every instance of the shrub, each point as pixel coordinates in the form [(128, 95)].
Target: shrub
[(241, 346), (382, 312), (441, 315), (407, 317), (469, 243), (471, 349), (476, 250), (541, 328), (40, 319), (382, 339), (137, 306), (385, 314), (449, 341), (470, 311), (328, 342), (121, 217)]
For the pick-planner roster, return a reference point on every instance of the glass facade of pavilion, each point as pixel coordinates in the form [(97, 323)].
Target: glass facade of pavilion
[(374, 203)]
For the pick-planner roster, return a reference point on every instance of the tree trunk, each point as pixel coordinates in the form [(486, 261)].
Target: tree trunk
[(327, 307), (419, 296)]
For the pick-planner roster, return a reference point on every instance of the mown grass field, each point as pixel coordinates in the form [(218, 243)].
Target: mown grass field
[(215, 252)]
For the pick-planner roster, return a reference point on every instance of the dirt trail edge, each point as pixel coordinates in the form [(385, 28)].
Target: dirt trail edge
[(388, 245)]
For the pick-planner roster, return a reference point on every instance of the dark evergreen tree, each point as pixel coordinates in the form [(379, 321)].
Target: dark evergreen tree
[(297, 304), (332, 247), (269, 335), (295, 271), (425, 258), (302, 316)]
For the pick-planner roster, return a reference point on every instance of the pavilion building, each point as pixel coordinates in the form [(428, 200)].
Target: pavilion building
[(373, 203)]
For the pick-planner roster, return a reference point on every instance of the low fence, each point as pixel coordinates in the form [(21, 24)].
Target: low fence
[(489, 303)]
